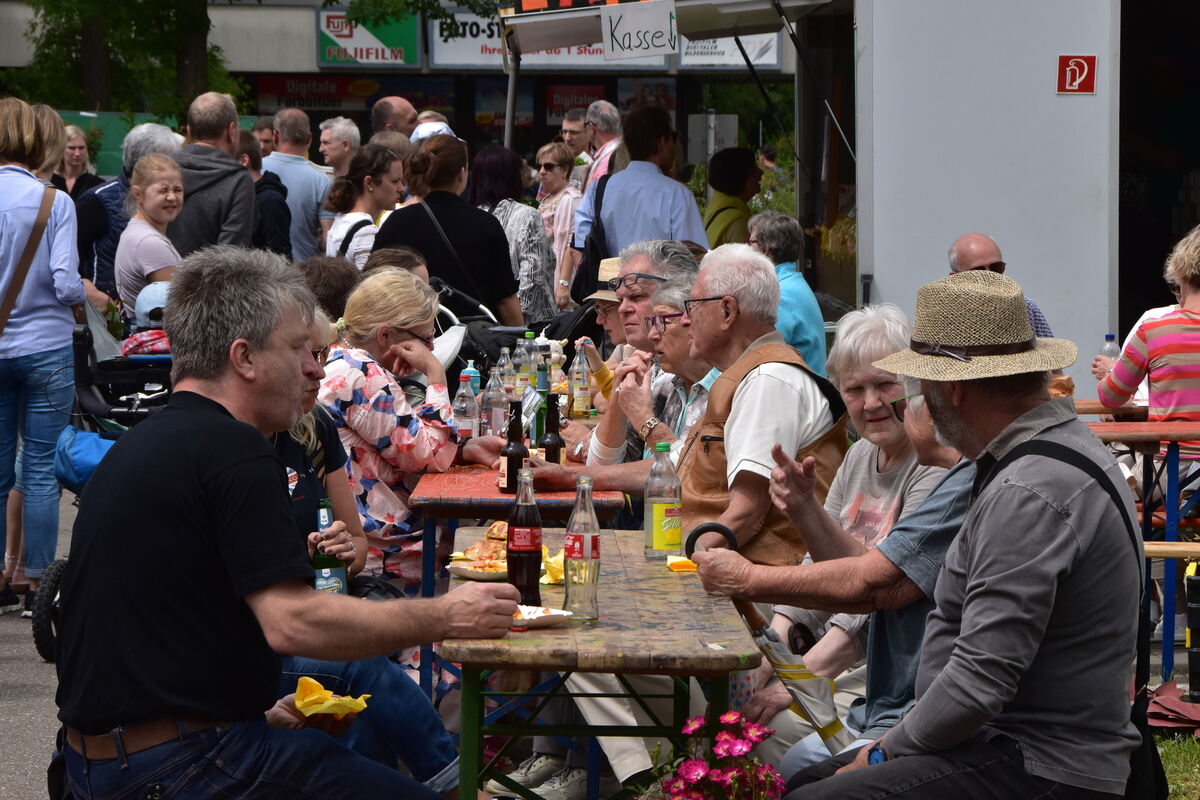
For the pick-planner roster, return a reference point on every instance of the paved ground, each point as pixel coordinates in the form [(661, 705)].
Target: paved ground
[(27, 686)]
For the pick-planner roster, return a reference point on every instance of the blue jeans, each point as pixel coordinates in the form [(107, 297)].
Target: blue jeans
[(249, 760), (399, 722), (37, 393)]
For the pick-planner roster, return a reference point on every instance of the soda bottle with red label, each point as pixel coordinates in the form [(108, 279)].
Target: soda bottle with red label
[(525, 543), (581, 557)]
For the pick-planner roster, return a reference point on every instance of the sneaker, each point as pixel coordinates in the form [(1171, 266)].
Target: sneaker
[(532, 772), (1180, 630), (27, 612), (10, 601), (571, 784)]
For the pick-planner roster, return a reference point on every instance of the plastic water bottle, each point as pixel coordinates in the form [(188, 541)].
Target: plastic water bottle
[(527, 352), (473, 374), (581, 556), (466, 410), (1110, 349), (664, 506), (508, 371), (494, 416)]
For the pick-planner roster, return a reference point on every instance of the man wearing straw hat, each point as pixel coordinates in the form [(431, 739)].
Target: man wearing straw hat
[(1039, 592)]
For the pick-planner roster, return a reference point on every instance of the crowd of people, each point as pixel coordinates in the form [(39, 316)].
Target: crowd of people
[(948, 589)]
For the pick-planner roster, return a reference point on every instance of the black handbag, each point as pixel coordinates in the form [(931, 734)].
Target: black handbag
[(595, 250), (1147, 778)]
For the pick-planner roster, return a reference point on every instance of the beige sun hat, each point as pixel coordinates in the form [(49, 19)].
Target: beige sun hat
[(975, 325), (609, 269)]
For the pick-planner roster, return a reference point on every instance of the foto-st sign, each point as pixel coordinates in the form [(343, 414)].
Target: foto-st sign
[(639, 29)]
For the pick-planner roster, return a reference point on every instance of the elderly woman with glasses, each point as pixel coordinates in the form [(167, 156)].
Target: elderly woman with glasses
[(878, 483), (554, 164), (387, 331)]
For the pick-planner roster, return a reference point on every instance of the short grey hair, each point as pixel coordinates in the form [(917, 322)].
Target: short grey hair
[(144, 139), (866, 335), (210, 115), (674, 293), (292, 126), (670, 259), (778, 236), (343, 128), (604, 116), (740, 272), (224, 293)]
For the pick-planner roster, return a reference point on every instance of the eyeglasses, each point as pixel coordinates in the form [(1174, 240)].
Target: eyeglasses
[(658, 322), (688, 305), (319, 356), (900, 404), (631, 280), (428, 340), (550, 165), (995, 266), (604, 309)]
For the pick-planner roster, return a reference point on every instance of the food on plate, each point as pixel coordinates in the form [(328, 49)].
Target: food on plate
[(486, 550), (498, 530), (487, 565)]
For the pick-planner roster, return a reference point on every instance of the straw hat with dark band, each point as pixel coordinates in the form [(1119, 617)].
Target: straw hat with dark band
[(609, 269), (975, 325)]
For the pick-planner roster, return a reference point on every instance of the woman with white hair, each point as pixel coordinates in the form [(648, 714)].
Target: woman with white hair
[(878, 483)]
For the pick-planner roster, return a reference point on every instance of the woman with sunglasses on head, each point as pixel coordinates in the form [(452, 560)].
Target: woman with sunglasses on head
[(387, 332), (554, 164)]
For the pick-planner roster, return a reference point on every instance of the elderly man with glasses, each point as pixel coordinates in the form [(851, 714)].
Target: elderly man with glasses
[(766, 395)]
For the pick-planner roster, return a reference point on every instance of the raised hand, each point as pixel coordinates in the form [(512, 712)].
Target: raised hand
[(792, 483)]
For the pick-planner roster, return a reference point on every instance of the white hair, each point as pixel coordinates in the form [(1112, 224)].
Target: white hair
[(147, 138), (344, 129), (865, 335), (604, 116), (741, 272)]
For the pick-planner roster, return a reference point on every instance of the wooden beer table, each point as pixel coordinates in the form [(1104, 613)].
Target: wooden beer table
[(652, 622), (472, 492), (1125, 413), (1148, 438)]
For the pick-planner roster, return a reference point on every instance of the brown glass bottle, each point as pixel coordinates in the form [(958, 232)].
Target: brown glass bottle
[(524, 551), (514, 456), (551, 443)]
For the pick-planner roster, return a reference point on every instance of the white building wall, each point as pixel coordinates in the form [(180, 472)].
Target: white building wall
[(960, 129), (266, 38), (15, 49)]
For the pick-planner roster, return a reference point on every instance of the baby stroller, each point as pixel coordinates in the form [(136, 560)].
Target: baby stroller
[(112, 393)]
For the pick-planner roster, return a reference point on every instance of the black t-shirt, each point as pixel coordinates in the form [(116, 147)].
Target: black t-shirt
[(186, 515), (306, 474), (84, 182), (477, 237)]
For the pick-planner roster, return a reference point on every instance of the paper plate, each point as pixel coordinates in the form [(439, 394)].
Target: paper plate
[(540, 617), (461, 570)]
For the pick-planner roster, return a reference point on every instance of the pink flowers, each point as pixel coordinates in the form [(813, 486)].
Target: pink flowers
[(722, 769)]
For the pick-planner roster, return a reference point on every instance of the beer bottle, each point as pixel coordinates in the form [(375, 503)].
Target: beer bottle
[(582, 555), (524, 551), (551, 444), (542, 385), (664, 506), (514, 456), (581, 393), (329, 571)]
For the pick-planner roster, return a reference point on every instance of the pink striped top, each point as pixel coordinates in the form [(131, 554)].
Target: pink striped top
[(1167, 350)]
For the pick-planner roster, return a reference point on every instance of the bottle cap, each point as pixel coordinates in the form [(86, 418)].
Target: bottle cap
[(528, 334), (464, 378), (1110, 337), (662, 447)]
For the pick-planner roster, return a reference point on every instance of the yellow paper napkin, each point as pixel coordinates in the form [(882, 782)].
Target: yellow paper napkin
[(313, 698)]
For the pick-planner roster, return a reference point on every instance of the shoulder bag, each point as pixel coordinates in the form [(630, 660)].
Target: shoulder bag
[(31, 246), (1147, 779), (595, 250), (344, 247)]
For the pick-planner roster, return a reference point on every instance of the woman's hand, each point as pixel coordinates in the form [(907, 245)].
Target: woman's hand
[(1101, 366), (562, 296), (414, 356), (335, 541), (589, 352), (484, 450), (792, 482), (766, 702), (96, 297)]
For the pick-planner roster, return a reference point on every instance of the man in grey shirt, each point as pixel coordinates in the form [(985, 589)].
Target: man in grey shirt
[(1023, 683)]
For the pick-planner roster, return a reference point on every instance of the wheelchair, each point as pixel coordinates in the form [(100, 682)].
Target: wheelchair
[(112, 393)]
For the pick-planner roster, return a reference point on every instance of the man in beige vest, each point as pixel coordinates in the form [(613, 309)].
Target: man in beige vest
[(766, 395)]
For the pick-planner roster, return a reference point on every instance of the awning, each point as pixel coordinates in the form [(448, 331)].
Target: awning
[(695, 19)]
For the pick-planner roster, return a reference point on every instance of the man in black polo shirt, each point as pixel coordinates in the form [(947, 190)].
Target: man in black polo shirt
[(186, 576)]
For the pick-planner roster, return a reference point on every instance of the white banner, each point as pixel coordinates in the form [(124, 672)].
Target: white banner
[(763, 49), (632, 30), (481, 47)]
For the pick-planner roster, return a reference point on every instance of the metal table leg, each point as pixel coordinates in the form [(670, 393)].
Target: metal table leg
[(470, 756), (428, 576), (1171, 534)]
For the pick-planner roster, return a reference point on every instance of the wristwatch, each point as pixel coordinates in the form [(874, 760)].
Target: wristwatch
[(648, 426), (564, 284), (876, 754)]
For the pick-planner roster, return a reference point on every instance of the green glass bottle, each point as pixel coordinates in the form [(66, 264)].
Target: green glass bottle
[(329, 571)]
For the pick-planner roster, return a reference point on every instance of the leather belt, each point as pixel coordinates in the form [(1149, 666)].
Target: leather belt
[(137, 738)]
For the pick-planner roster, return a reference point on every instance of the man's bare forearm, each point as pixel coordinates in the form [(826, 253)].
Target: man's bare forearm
[(825, 538), (855, 585)]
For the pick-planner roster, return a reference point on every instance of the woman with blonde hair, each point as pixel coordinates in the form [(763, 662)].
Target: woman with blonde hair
[(387, 332), (74, 174), (36, 377), (144, 253), (554, 165)]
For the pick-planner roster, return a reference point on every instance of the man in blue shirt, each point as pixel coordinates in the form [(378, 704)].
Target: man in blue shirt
[(641, 202), (306, 184)]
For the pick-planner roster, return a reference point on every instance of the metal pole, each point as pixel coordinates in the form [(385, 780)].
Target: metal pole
[(787, 25), (510, 105), (767, 99)]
